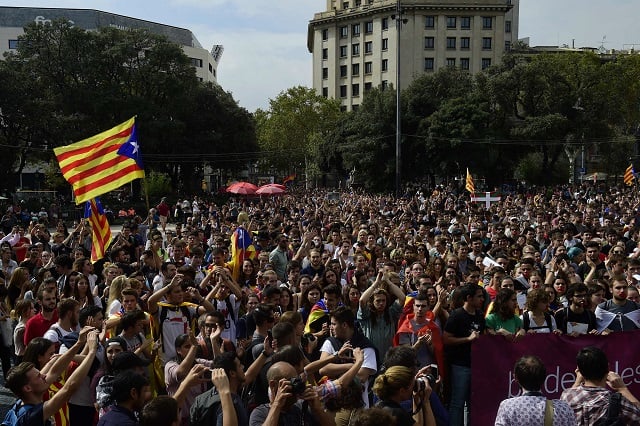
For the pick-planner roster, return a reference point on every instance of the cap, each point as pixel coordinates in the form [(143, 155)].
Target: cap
[(127, 360), (573, 252)]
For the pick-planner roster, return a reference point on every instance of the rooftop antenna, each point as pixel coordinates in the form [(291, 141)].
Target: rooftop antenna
[(604, 41)]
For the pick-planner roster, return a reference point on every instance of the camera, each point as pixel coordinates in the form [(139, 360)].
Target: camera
[(307, 338), (419, 384), (297, 385)]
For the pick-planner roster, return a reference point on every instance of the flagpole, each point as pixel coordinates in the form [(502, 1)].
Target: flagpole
[(146, 192)]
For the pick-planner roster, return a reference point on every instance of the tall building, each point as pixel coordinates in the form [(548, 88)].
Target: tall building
[(354, 42), (14, 19)]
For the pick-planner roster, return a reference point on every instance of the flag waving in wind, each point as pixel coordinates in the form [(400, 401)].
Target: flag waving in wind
[(629, 175), (103, 162), (100, 231), (469, 185)]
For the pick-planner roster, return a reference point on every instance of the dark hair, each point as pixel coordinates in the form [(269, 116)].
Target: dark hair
[(86, 312), (129, 319), (226, 361), (124, 382), (262, 313), (342, 314), (468, 290), (38, 346), (403, 355), (374, 417), (160, 411), (284, 332), (592, 363), (530, 372), (66, 305), (289, 353), (332, 289), (17, 378), (500, 306), (576, 288)]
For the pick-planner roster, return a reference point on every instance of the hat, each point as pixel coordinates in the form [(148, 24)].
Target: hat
[(574, 251), (127, 360), (117, 341)]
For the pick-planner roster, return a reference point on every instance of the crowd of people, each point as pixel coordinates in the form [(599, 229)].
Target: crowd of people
[(357, 310)]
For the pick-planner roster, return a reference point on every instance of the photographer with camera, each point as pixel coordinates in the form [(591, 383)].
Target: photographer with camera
[(398, 384), (290, 401)]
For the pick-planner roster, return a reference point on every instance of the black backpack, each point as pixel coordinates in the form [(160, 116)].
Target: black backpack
[(526, 322), (613, 412), (204, 408)]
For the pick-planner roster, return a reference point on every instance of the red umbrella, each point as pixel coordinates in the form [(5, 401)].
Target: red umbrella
[(270, 190), (276, 185), (242, 188)]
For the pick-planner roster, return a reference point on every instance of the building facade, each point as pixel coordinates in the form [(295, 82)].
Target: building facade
[(354, 42), (14, 19)]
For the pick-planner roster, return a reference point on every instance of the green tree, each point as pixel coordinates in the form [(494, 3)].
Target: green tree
[(290, 131)]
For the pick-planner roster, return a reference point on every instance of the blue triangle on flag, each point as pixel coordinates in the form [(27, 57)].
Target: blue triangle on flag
[(131, 148)]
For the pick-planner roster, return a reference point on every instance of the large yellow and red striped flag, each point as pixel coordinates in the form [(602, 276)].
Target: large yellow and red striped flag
[(629, 175), (100, 231), (103, 162), (469, 185)]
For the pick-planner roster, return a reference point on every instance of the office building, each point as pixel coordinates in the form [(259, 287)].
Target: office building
[(14, 19), (354, 42)]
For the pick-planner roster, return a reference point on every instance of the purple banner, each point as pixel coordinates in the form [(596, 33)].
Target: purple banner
[(493, 358)]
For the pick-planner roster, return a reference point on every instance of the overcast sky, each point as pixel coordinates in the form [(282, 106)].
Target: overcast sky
[(265, 41)]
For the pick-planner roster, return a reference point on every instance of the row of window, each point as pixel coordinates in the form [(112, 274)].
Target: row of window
[(430, 23), (355, 49), (429, 63), (452, 43)]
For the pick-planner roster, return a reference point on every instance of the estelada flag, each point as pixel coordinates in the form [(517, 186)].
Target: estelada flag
[(288, 179), (100, 231), (469, 185), (629, 175), (103, 162), (242, 248)]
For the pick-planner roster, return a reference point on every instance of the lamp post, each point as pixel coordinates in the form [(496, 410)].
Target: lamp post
[(399, 22)]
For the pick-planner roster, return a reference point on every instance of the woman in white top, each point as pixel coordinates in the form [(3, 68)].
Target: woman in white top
[(537, 318)]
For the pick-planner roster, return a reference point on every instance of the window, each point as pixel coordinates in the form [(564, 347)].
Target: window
[(429, 21), (355, 107), (384, 84), (210, 68), (465, 43), (325, 73), (355, 30), (465, 22), (343, 108), (325, 53), (368, 67), (487, 22), (464, 64), (343, 71), (368, 27), (358, 2), (355, 89), (385, 43), (486, 43), (507, 46), (368, 47), (486, 63), (355, 49), (451, 22), (325, 92), (355, 69), (451, 62), (385, 64), (344, 32), (429, 42), (325, 34), (13, 44), (507, 26), (343, 51), (345, 5), (428, 64), (196, 62), (385, 23), (367, 86), (451, 42), (343, 91)]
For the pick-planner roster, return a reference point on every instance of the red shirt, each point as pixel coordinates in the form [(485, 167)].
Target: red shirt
[(37, 326)]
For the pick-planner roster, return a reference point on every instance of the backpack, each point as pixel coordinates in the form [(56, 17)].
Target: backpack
[(526, 322), (14, 416), (248, 355), (613, 412), (204, 408), (163, 316)]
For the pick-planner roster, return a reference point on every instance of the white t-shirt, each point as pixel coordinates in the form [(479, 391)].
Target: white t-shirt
[(55, 333), (175, 324), (229, 332), (370, 362)]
